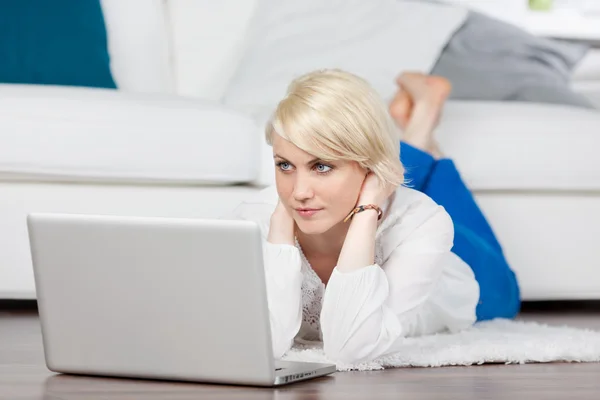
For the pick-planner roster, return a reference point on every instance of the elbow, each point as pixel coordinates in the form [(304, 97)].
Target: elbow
[(461, 323), (343, 355), (370, 341), (282, 335), (350, 353), (280, 347)]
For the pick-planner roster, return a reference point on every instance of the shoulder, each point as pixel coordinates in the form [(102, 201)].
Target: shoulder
[(412, 214), (258, 208), (410, 207)]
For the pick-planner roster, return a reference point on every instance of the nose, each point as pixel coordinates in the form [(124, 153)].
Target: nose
[(302, 188)]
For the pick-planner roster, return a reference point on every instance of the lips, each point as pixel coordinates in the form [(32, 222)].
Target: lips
[(307, 212)]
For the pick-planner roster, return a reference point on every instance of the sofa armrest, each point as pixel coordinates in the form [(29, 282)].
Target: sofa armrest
[(522, 146), (82, 134)]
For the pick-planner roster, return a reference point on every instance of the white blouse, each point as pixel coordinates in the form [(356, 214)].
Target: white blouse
[(417, 286)]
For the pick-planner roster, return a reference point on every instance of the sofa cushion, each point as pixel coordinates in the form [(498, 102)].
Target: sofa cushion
[(78, 134), (509, 146), (589, 67), (374, 39), (54, 43), (208, 40), (139, 51)]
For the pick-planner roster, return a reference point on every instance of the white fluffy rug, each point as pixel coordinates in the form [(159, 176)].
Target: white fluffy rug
[(498, 341)]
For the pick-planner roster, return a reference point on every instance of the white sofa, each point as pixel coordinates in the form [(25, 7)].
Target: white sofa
[(158, 148)]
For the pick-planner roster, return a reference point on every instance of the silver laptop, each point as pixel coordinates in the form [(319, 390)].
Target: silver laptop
[(156, 298)]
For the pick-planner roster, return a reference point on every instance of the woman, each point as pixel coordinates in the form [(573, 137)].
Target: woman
[(354, 257)]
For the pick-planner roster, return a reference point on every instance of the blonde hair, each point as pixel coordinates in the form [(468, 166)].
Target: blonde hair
[(335, 115)]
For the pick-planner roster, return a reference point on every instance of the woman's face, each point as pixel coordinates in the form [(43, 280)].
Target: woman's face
[(317, 194)]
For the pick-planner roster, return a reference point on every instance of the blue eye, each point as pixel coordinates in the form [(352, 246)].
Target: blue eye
[(322, 168), (284, 166)]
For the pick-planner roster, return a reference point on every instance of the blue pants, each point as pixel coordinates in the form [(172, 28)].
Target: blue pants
[(474, 240)]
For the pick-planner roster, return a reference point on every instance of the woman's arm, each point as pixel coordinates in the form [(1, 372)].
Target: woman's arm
[(359, 245), (284, 294), (284, 281), (358, 250), (422, 288), (283, 274)]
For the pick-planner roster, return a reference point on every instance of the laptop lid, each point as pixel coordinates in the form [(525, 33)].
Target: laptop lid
[(164, 298)]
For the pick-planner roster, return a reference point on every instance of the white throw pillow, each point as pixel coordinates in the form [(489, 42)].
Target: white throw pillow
[(376, 39), (208, 41), (138, 45)]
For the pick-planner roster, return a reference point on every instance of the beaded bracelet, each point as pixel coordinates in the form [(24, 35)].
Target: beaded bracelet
[(363, 208)]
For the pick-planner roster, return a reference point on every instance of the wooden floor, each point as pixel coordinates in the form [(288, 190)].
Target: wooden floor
[(23, 376)]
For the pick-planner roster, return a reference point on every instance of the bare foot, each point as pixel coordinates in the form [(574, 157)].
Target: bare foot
[(417, 108), (401, 108), (426, 90)]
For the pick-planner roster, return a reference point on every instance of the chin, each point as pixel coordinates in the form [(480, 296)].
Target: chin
[(313, 227)]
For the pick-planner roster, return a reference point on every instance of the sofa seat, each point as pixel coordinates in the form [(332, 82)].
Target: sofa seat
[(93, 135)]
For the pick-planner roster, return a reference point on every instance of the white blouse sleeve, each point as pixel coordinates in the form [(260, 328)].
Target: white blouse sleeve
[(284, 293), (283, 276), (421, 288)]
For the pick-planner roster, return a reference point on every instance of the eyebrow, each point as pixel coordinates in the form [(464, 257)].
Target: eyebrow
[(314, 160)]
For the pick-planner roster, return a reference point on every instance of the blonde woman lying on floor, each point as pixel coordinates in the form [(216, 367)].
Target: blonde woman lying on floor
[(361, 249)]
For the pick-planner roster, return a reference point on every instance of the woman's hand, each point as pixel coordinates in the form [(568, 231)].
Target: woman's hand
[(281, 229), (374, 191)]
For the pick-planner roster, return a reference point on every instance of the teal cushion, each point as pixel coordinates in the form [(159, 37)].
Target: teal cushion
[(54, 42)]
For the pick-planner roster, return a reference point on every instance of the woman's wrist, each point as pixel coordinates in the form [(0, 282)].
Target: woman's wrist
[(366, 215), (358, 250), (361, 208)]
